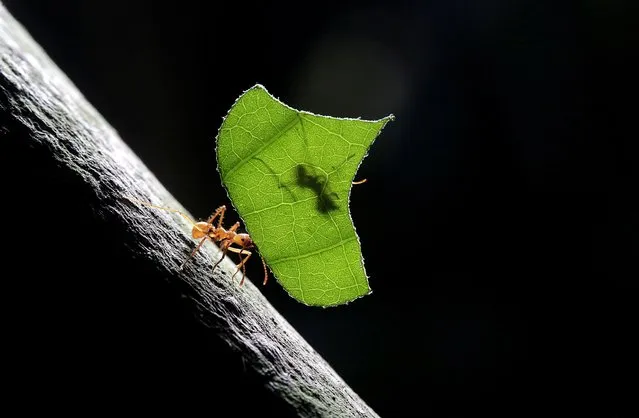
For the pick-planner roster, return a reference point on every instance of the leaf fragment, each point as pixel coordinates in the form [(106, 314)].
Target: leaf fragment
[(289, 174)]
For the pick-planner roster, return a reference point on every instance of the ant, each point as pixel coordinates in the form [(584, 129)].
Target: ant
[(225, 237)]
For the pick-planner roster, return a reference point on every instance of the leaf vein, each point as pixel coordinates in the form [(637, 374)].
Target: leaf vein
[(294, 121), (312, 253)]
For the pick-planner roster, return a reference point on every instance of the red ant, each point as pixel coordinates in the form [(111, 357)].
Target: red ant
[(225, 237)]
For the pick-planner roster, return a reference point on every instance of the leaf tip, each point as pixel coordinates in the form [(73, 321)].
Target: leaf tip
[(258, 86)]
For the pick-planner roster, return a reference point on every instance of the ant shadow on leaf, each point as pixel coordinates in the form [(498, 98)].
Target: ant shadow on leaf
[(313, 179), (318, 183)]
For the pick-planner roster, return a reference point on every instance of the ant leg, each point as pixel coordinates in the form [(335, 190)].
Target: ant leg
[(218, 212), (360, 181), (194, 251), (161, 207), (242, 263), (238, 268), (234, 227), (224, 246)]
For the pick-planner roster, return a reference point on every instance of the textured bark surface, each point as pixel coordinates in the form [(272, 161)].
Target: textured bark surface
[(47, 122)]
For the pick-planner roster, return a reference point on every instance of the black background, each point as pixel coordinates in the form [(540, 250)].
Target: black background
[(499, 223)]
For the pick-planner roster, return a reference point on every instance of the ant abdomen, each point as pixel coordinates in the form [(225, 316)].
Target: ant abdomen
[(200, 229)]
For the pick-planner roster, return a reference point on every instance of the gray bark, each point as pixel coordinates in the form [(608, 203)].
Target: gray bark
[(37, 99)]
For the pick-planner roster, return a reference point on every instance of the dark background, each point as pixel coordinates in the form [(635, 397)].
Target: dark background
[(499, 224)]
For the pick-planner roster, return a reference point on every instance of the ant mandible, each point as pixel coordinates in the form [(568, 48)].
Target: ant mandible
[(225, 237)]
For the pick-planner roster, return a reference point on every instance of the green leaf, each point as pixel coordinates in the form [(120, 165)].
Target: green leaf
[(289, 174)]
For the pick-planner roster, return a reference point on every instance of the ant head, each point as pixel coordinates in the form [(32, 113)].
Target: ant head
[(244, 240), (201, 229)]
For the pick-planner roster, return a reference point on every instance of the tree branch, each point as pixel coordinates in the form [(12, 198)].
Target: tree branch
[(36, 96)]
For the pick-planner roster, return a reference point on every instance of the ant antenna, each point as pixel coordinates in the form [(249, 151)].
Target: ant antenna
[(182, 214)]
